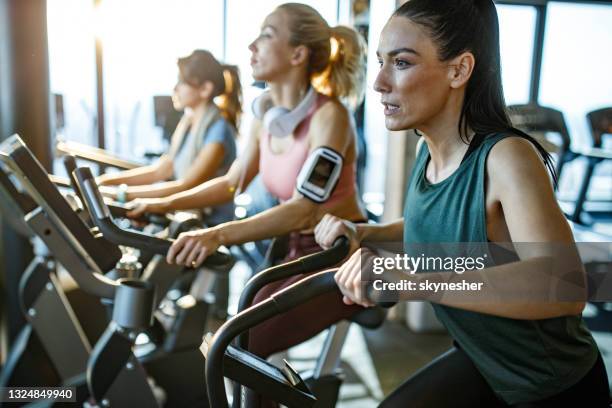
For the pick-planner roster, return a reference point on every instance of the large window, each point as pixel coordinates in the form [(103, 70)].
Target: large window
[(576, 79), (141, 41), (516, 35), (72, 65), (577, 63)]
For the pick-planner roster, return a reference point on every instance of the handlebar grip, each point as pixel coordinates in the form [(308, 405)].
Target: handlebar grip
[(118, 210), (375, 297), (90, 192), (330, 257)]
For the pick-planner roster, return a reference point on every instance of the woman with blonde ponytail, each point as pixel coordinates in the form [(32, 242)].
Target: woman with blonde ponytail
[(309, 68), (203, 144)]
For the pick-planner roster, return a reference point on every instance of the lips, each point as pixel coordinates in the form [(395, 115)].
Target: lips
[(390, 109)]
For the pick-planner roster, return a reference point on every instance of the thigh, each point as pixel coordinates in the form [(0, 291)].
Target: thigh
[(451, 380), (592, 388)]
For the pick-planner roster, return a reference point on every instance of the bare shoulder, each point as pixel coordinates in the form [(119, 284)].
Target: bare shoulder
[(514, 154), (331, 126), (514, 163), (332, 112)]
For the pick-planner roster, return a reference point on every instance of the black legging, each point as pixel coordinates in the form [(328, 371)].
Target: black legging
[(452, 380)]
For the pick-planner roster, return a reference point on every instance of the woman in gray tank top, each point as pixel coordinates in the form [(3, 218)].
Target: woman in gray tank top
[(519, 338)]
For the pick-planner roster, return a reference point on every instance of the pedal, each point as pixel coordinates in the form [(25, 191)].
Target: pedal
[(294, 377)]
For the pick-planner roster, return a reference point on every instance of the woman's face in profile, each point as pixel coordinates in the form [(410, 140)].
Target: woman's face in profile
[(185, 95), (271, 52), (412, 81)]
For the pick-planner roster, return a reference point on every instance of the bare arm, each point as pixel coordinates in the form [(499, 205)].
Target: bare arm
[(213, 192), (160, 171), (203, 168), (391, 231)]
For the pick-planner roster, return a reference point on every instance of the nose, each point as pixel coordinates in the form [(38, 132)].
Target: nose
[(252, 46), (381, 84)]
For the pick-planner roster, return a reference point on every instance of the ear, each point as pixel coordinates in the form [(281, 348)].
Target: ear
[(300, 55), (206, 90), (461, 68)]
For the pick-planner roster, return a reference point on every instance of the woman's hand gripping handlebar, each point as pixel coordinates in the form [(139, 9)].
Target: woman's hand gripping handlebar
[(351, 276)]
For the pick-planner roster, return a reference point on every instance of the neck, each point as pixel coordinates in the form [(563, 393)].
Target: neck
[(196, 112), (290, 92), (441, 134)]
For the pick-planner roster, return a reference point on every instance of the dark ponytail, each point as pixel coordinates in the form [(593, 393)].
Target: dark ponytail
[(230, 101), (457, 26), (202, 66)]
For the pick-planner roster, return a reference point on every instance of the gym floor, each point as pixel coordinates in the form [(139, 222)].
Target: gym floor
[(377, 361)]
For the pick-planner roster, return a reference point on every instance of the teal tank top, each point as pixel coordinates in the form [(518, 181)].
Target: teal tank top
[(522, 360)]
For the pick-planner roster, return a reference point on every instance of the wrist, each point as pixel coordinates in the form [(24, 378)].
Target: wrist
[(218, 235), (360, 232), (164, 205), (121, 194), (102, 180)]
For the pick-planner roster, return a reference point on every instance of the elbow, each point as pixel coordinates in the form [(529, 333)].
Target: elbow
[(187, 184), (164, 169)]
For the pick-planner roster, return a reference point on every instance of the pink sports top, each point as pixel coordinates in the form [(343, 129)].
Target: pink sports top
[(279, 171)]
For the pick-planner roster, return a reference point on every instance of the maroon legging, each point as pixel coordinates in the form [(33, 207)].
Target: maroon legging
[(304, 321)]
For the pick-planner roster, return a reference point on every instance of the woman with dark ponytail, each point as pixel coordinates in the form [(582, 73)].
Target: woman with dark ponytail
[(477, 180), (203, 144)]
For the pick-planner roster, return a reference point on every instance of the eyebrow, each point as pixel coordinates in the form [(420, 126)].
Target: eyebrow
[(271, 27), (396, 51)]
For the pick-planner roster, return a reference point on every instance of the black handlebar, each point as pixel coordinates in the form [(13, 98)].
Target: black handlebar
[(116, 209), (280, 302), (103, 219), (308, 263)]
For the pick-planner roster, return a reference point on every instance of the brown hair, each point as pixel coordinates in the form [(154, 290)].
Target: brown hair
[(336, 63), (202, 66)]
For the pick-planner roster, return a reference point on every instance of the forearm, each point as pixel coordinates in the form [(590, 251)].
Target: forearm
[(529, 289), (390, 232), (211, 193), (164, 189), (296, 215), (137, 176)]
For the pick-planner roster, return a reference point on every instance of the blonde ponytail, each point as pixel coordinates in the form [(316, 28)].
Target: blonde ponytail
[(336, 63), (344, 76)]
